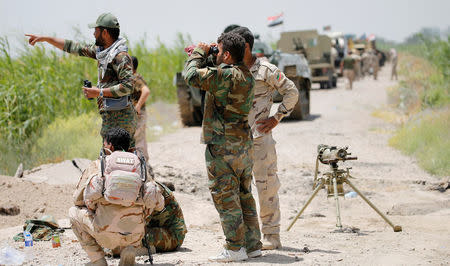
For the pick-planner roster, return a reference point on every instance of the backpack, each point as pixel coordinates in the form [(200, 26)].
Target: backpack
[(124, 174)]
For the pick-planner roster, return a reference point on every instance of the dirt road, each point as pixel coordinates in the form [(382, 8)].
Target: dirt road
[(392, 181)]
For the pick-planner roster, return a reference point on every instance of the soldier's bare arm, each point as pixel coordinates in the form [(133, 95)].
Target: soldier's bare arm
[(266, 125), (145, 92), (57, 42)]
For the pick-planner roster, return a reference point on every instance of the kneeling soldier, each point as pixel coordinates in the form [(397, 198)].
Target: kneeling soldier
[(165, 230), (111, 201)]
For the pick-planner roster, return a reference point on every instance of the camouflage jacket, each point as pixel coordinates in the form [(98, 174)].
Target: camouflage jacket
[(138, 84), (268, 79), (229, 97), (119, 73), (171, 216)]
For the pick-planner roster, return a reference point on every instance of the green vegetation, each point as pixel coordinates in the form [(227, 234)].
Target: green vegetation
[(159, 65), (423, 95), (40, 90), (427, 138), (67, 138)]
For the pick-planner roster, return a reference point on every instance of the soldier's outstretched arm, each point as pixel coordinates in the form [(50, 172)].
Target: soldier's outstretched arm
[(196, 75), (57, 42), (286, 88), (69, 46)]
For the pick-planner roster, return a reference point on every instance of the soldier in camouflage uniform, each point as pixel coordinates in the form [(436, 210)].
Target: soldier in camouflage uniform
[(115, 70), (268, 79), (139, 96), (98, 223), (229, 97), (165, 230)]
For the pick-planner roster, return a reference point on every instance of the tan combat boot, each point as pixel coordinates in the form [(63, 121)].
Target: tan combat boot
[(127, 256), (271, 241)]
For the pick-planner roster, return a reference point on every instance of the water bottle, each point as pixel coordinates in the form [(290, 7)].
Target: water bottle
[(28, 239), (351, 194)]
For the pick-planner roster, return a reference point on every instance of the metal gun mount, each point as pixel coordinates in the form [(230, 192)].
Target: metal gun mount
[(332, 155)]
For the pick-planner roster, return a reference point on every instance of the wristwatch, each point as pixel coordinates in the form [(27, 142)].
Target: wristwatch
[(101, 93)]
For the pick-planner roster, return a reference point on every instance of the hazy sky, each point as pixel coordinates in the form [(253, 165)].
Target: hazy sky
[(204, 20)]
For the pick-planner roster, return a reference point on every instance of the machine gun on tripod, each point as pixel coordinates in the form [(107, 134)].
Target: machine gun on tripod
[(332, 155)]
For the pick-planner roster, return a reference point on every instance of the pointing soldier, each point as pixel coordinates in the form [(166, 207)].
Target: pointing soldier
[(115, 72)]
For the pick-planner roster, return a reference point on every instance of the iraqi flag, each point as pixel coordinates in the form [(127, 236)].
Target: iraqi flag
[(275, 20)]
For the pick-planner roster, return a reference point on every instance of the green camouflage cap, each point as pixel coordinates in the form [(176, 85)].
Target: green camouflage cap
[(106, 20)]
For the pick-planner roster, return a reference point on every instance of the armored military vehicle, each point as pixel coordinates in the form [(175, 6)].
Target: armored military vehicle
[(317, 50), (295, 66)]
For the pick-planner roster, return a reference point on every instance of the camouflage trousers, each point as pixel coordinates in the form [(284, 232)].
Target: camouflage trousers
[(140, 135), (164, 239), (93, 241), (126, 119), (166, 230), (230, 177), (267, 183)]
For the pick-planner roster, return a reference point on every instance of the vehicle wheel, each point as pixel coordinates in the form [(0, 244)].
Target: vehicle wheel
[(334, 81), (301, 109), (189, 116), (329, 83)]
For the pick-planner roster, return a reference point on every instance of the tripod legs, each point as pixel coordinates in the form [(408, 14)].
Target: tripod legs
[(397, 228), (338, 210), (316, 190)]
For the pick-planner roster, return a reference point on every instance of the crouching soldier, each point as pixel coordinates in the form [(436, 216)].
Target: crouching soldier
[(112, 200), (165, 230)]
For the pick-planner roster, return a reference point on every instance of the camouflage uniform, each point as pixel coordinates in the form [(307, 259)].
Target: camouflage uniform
[(268, 79), (229, 96), (99, 224), (118, 77), (165, 230), (140, 135)]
